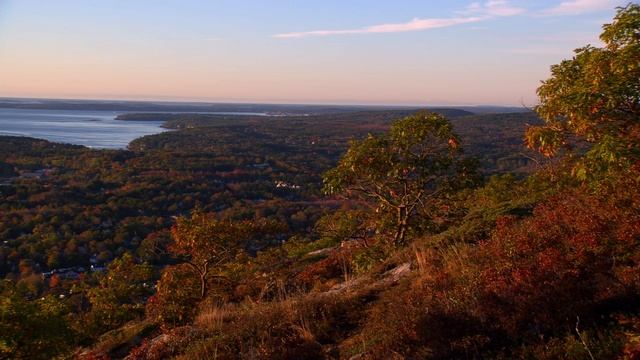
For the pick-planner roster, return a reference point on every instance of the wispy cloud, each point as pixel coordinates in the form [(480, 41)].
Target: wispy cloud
[(413, 25), (475, 12), (492, 8), (577, 7)]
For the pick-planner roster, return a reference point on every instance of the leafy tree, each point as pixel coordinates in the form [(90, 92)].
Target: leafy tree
[(595, 97), (153, 248), (415, 163), (176, 298), (32, 329), (206, 244), (342, 225), (121, 293)]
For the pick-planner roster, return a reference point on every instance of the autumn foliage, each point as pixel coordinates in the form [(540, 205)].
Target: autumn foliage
[(574, 263), (594, 98), (419, 259)]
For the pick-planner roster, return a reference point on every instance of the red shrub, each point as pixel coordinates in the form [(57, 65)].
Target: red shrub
[(577, 256), (332, 267), (560, 263)]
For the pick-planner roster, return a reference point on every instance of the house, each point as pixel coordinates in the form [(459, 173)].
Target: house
[(283, 184)]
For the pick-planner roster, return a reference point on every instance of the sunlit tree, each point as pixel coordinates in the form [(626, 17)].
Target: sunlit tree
[(595, 98), (416, 162), (206, 243)]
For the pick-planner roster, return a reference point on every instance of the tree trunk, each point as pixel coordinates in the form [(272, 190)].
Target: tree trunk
[(203, 285), (202, 272), (401, 230)]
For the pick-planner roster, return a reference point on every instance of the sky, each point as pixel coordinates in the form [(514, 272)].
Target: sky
[(391, 52)]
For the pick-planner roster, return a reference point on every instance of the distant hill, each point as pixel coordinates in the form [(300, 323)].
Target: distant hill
[(197, 107), (488, 109), (182, 120), (257, 109), (496, 139)]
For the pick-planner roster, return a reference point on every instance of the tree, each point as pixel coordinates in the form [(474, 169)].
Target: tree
[(175, 300), (153, 247), (415, 163), (35, 329), (121, 293), (343, 225), (595, 98), (205, 243)]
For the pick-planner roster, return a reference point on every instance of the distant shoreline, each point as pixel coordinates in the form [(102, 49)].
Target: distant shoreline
[(93, 129), (164, 116), (124, 106)]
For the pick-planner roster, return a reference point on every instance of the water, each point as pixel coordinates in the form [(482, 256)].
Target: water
[(95, 129)]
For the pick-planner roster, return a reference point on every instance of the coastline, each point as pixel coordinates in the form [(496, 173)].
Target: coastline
[(92, 129)]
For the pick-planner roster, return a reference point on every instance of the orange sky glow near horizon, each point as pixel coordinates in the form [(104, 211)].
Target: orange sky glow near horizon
[(451, 53)]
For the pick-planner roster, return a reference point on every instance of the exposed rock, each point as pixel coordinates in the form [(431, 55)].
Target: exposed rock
[(395, 274), (320, 252)]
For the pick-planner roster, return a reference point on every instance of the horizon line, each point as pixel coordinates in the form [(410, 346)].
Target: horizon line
[(262, 102)]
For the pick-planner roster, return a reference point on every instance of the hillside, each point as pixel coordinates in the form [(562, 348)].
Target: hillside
[(353, 234), (93, 208)]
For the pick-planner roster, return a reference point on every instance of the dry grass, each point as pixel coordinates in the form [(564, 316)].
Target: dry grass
[(212, 316), (304, 330), (421, 259), (124, 337), (345, 265)]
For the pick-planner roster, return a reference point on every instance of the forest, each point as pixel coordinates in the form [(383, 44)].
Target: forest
[(354, 234)]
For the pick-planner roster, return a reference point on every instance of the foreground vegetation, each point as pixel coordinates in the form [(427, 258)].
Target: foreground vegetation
[(296, 244), (76, 222)]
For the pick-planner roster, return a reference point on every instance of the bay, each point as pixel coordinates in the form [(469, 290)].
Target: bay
[(95, 129)]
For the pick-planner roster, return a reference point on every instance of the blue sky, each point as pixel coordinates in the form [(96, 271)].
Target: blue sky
[(329, 51)]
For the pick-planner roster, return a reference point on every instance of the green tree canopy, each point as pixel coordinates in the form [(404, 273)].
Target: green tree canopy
[(414, 163), (595, 98), (206, 243), (121, 293), (35, 329)]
